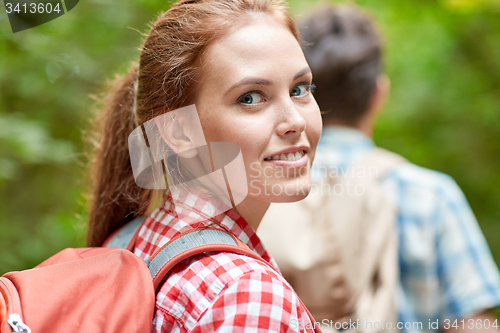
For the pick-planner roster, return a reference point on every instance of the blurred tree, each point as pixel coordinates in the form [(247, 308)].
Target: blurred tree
[(46, 77)]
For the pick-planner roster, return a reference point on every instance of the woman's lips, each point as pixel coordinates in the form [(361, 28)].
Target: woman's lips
[(291, 164)]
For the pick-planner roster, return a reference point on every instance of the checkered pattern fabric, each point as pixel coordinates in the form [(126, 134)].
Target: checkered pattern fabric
[(218, 291), (446, 267)]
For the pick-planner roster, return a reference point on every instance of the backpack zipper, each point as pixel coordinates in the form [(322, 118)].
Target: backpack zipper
[(17, 324), (8, 289)]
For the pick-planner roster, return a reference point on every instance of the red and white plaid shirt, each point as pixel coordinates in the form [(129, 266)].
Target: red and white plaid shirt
[(218, 291)]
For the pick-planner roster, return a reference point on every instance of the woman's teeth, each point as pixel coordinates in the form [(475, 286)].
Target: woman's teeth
[(286, 157)]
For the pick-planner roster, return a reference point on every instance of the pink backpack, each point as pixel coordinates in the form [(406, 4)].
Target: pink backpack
[(101, 289)]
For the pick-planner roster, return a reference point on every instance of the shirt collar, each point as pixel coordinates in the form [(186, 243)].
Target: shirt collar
[(193, 213), (335, 135), (338, 147)]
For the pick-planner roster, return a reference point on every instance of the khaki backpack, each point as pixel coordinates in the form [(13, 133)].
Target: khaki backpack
[(338, 247)]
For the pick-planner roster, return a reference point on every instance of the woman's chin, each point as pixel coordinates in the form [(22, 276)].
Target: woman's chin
[(300, 195), (290, 192)]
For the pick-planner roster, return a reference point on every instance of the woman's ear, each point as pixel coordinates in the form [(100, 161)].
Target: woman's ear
[(176, 134)]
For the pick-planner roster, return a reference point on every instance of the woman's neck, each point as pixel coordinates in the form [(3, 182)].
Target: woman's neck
[(252, 211)]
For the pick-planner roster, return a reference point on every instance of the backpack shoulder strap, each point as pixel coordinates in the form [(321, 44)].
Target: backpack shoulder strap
[(126, 236), (192, 243), (182, 246)]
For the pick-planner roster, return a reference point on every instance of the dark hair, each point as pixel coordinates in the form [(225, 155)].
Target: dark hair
[(343, 49), (164, 80)]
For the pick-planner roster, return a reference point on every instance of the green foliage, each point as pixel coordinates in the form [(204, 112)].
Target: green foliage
[(443, 113), (47, 75)]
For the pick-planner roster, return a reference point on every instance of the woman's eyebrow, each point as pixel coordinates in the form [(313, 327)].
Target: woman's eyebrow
[(303, 72), (247, 81)]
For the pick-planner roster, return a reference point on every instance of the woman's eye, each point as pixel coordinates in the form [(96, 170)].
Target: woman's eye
[(301, 89), (251, 98)]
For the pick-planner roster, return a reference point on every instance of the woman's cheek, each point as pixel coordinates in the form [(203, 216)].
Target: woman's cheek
[(314, 125)]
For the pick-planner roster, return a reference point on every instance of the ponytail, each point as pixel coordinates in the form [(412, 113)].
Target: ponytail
[(116, 197)]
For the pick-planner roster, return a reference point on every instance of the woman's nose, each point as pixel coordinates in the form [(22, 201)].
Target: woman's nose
[(291, 121)]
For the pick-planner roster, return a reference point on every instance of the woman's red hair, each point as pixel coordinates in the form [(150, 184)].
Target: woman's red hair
[(164, 80)]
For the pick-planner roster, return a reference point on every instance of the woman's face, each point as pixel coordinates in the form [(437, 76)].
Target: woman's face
[(255, 92)]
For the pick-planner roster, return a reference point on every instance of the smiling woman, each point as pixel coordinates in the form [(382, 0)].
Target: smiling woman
[(239, 63), (255, 92)]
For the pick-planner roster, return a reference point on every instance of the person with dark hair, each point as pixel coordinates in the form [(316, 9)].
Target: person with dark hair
[(446, 270), (343, 47)]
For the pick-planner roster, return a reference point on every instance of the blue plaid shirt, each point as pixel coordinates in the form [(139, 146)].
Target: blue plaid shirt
[(446, 267)]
